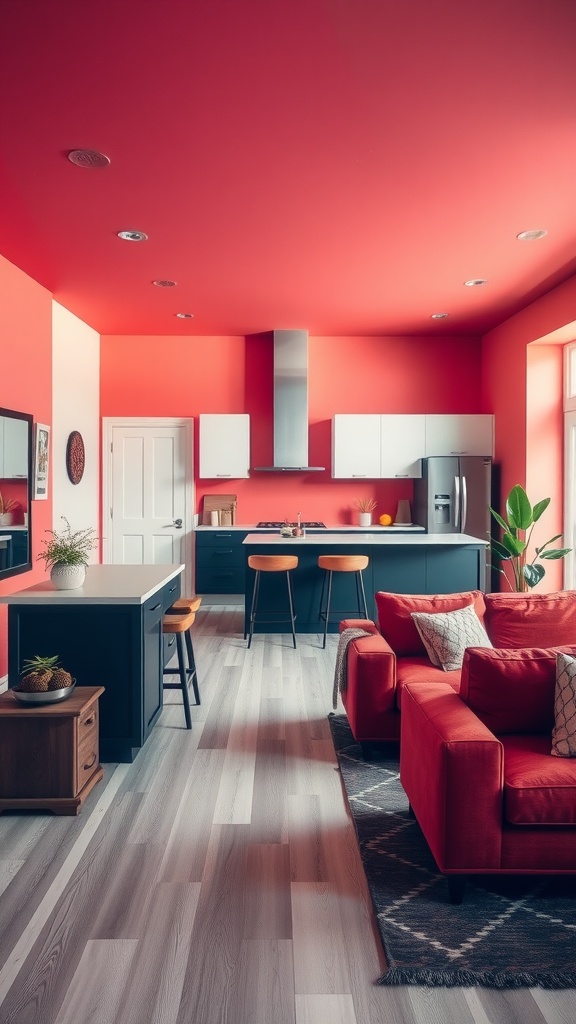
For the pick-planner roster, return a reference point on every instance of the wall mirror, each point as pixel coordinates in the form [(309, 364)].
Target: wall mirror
[(15, 492)]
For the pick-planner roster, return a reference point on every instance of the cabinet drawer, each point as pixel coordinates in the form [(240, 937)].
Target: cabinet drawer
[(220, 538), (153, 608), (171, 592), (221, 557), (87, 760), (220, 581)]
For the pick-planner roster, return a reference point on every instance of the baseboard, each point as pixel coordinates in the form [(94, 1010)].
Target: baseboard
[(208, 599)]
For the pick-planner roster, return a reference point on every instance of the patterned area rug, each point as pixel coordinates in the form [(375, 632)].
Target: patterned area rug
[(510, 932)]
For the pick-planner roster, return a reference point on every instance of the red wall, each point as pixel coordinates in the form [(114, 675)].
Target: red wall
[(522, 386), (25, 385), (162, 376)]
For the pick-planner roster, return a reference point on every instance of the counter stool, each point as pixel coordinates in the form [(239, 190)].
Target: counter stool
[(272, 563), (341, 563), (180, 624), (184, 604)]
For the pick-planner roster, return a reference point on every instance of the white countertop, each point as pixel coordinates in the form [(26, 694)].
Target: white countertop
[(104, 584), (325, 538), (376, 528), (12, 529)]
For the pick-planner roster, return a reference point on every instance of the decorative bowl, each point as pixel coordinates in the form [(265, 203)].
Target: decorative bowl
[(43, 696)]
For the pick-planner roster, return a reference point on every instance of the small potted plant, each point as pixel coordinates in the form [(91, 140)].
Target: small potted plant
[(365, 508), (66, 555), (7, 509)]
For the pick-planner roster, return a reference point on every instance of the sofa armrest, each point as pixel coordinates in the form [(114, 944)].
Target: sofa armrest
[(369, 696), (451, 768)]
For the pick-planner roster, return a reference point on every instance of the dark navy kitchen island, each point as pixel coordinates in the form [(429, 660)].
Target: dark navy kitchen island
[(401, 563)]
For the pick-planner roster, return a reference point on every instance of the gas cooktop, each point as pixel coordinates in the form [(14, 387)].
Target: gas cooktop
[(277, 525)]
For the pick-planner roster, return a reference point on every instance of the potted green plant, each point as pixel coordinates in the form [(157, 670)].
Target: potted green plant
[(66, 555), (365, 508), (521, 571)]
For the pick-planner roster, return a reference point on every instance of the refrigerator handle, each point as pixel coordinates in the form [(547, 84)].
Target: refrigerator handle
[(456, 502), (464, 505)]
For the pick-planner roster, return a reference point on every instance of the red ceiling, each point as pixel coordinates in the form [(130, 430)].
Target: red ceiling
[(336, 165)]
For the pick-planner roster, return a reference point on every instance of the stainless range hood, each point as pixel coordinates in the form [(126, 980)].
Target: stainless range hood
[(290, 404)]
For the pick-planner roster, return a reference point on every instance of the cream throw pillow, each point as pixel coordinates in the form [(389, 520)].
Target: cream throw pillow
[(564, 731), (446, 635)]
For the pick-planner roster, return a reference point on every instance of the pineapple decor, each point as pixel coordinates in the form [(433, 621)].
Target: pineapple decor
[(42, 674)]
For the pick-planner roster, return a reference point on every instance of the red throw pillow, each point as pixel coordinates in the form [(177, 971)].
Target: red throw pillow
[(395, 610), (511, 690), (531, 620)]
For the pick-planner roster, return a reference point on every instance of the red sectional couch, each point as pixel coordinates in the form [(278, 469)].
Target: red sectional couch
[(381, 664), (478, 770)]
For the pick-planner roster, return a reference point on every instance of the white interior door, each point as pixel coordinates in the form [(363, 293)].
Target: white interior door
[(149, 505)]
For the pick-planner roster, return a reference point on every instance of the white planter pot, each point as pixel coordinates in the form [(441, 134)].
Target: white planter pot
[(67, 577), (7, 519), (364, 519)]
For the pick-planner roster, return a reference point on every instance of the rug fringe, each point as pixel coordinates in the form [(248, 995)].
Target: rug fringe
[(486, 979)]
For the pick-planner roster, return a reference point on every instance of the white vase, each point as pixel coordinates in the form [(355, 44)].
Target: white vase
[(364, 519), (6, 519), (67, 577)]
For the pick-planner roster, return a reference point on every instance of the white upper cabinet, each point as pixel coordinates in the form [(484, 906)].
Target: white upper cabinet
[(224, 445), (402, 445), (459, 435), (13, 448), (356, 446), (377, 446)]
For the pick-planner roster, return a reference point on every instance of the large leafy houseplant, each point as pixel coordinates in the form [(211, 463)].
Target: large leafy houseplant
[(521, 571)]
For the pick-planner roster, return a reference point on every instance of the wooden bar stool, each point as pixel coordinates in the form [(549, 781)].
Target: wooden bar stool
[(341, 563), (272, 563), (180, 625), (184, 604)]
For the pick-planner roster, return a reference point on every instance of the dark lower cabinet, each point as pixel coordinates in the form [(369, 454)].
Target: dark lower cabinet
[(118, 646), (220, 560)]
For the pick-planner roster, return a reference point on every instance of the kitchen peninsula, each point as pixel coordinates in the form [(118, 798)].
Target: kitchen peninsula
[(107, 633), (405, 563)]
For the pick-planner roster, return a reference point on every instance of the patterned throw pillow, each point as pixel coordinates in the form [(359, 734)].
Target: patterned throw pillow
[(564, 731), (446, 635)]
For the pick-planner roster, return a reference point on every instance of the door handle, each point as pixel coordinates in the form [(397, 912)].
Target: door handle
[(464, 505), (178, 524), (456, 502)]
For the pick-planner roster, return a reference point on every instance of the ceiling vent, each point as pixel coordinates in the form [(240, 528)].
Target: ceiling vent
[(88, 158)]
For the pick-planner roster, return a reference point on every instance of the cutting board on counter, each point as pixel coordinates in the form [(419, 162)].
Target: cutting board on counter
[(224, 505)]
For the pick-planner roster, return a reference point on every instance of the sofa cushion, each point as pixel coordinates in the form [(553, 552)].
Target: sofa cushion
[(511, 690), (446, 635), (420, 670), (395, 615), (538, 789), (531, 620), (564, 731)]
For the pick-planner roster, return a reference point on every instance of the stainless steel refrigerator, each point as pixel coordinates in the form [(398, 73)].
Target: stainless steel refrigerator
[(454, 496)]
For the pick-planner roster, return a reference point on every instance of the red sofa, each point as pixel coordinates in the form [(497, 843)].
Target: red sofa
[(381, 664), (478, 770)]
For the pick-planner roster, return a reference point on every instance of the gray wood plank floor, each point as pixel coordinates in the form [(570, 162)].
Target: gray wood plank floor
[(217, 879)]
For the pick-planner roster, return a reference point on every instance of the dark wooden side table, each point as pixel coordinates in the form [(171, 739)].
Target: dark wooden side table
[(49, 754)]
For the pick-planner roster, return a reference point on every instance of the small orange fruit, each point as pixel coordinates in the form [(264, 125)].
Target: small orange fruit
[(385, 520)]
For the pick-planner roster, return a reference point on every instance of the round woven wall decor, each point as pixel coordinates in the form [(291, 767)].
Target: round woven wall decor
[(75, 457)]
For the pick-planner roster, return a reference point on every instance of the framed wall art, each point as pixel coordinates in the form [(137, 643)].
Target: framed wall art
[(41, 459)]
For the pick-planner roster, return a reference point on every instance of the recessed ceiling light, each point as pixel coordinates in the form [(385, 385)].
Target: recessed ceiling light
[(185, 316), (164, 284), (438, 316), (533, 235), (88, 158), (133, 236), (474, 282)]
